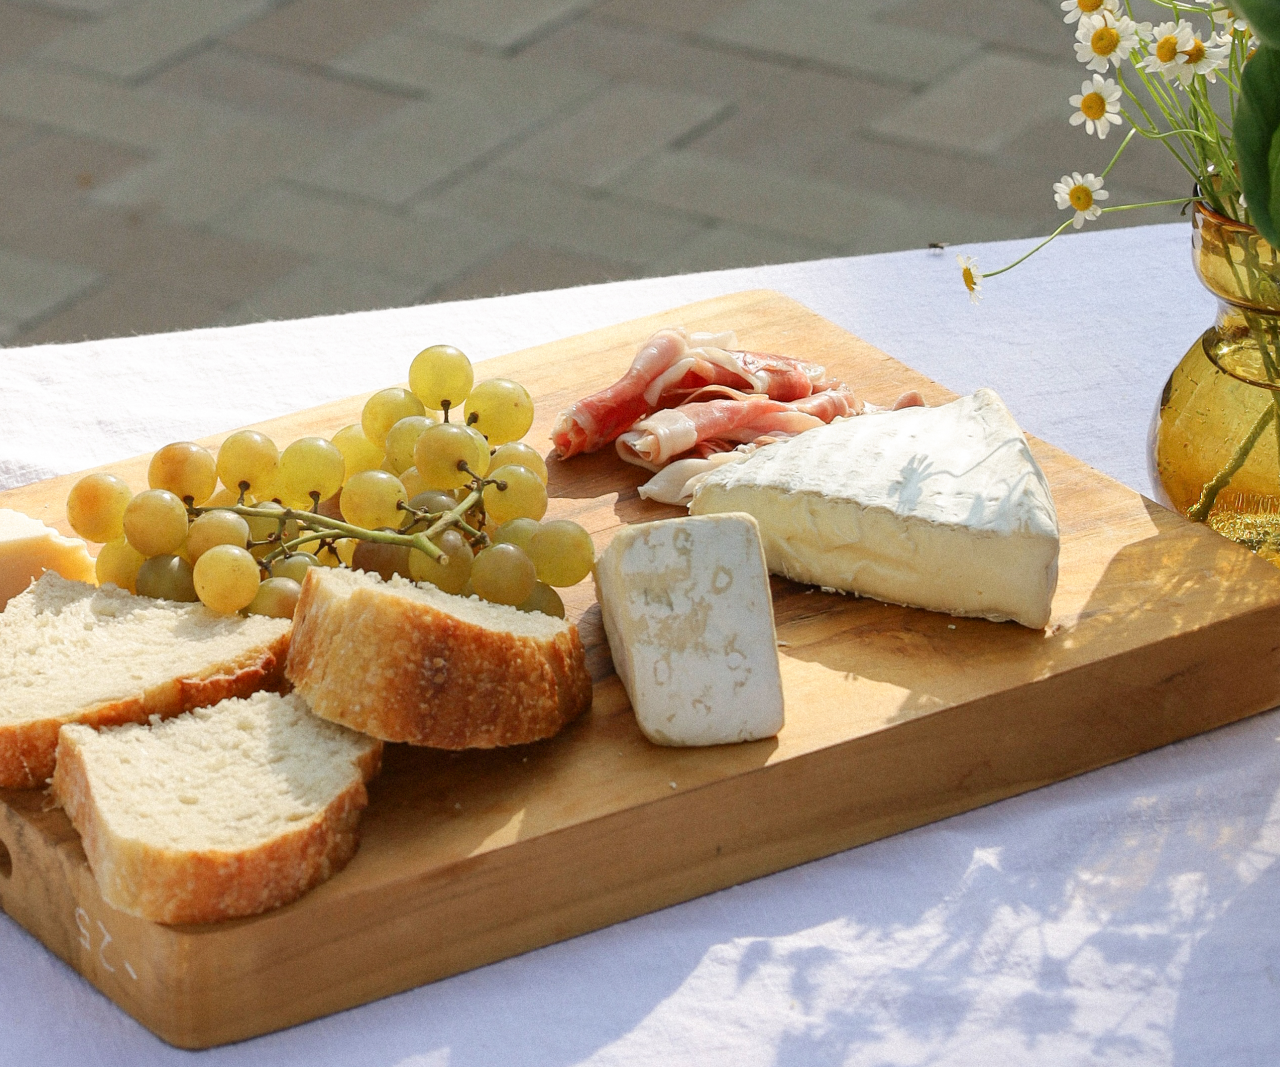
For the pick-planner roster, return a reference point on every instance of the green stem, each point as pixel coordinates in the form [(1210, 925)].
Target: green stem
[(1200, 510), (1123, 145), (993, 273)]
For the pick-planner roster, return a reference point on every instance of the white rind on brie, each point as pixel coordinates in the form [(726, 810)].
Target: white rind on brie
[(689, 617), (941, 508)]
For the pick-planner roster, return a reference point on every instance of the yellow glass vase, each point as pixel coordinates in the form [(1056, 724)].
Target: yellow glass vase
[(1215, 438)]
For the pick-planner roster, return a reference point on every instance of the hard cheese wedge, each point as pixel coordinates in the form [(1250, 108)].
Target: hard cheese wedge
[(28, 548), (941, 508), (689, 617)]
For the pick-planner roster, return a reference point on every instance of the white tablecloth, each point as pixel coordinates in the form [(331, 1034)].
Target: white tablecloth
[(1129, 916)]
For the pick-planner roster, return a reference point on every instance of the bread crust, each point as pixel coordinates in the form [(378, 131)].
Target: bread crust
[(399, 669), (178, 887), (28, 749)]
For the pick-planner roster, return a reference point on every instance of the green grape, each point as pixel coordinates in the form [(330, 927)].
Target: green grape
[(248, 458), (226, 579), (309, 465), (483, 463), (439, 451), (215, 528), (188, 471), (295, 565), (562, 552), (118, 563), (544, 599), (268, 529), (358, 452), (372, 500), (524, 496), (441, 376), (166, 578), (432, 501), (402, 437), (276, 598), (412, 482), (155, 522), (518, 532), (384, 409), (383, 560), (520, 453), (500, 409), (503, 574), (96, 506), (452, 577)]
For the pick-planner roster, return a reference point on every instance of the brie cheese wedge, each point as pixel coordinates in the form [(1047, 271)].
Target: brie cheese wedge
[(941, 508), (28, 548), (689, 616)]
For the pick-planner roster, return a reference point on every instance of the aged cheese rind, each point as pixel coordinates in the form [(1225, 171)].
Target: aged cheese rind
[(28, 548), (941, 508), (689, 617)]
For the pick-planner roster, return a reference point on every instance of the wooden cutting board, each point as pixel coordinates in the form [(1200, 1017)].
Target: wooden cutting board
[(895, 717)]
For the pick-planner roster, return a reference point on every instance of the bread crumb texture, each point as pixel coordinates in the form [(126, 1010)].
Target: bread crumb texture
[(225, 811), (410, 663), (73, 652)]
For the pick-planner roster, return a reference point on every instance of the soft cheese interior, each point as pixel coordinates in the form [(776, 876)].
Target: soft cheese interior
[(689, 617), (941, 508)]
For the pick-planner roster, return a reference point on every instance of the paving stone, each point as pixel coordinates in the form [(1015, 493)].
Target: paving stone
[(983, 106), (327, 287), (121, 308), (725, 246), (24, 29), (851, 220), (502, 24), (316, 31), (586, 222), (62, 165), (526, 268), (432, 246), (420, 145), (14, 134), (192, 182), (681, 16), (513, 89), (140, 38), (266, 87), (77, 7), (31, 288), (612, 133), (845, 34), (1019, 25)]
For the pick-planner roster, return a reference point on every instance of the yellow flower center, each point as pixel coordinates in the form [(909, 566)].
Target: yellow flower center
[(1093, 106), (1195, 53), (1105, 40), (1088, 6), (969, 282), (1167, 49), (1081, 197)]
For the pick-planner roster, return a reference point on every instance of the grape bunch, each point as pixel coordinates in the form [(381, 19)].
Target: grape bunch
[(409, 490)]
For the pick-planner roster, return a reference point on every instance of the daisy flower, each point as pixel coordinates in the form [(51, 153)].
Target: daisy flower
[(1204, 58), (1098, 106), (972, 279), (1103, 39), (1223, 16), (1081, 193), (1168, 50), (1076, 8)]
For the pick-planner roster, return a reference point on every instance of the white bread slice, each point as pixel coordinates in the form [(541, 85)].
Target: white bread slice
[(227, 811), (71, 652), (405, 662)]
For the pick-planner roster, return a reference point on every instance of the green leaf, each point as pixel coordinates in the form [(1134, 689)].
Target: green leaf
[(1257, 140), (1263, 17)]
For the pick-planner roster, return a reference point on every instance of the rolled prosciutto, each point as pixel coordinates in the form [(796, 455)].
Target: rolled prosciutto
[(670, 369)]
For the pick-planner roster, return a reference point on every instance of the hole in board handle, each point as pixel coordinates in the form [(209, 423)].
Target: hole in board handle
[(6, 862)]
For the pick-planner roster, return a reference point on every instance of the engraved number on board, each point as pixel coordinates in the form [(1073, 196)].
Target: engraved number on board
[(86, 940)]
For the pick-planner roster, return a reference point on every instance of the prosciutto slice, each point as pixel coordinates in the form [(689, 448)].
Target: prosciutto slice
[(671, 368), (657, 439)]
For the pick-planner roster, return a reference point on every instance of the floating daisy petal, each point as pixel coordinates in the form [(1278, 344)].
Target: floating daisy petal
[(1081, 193), (972, 279), (1097, 106)]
